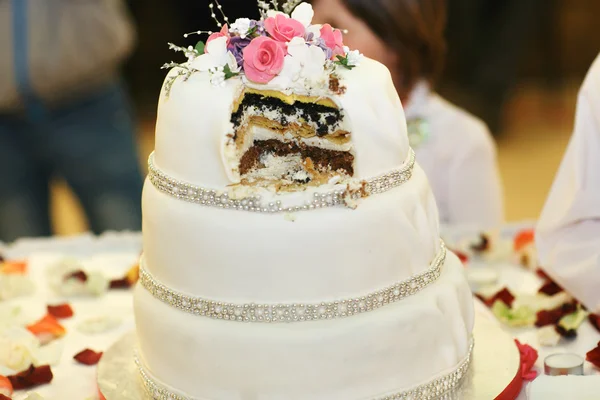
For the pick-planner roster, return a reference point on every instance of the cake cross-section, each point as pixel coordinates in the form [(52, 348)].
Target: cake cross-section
[(288, 141)]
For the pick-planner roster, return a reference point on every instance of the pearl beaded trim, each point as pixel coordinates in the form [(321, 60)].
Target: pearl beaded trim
[(342, 197), (436, 389), (296, 312)]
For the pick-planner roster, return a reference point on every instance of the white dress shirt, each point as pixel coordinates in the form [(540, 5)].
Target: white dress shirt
[(568, 233), (459, 158)]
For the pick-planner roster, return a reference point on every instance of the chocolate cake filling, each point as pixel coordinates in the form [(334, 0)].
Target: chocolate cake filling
[(323, 159), (326, 119)]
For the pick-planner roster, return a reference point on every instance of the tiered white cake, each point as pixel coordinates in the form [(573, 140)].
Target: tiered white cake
[(281, 286)]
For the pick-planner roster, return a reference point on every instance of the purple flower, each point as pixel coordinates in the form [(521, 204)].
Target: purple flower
[(320, 42), (260, 27), (237, 46)]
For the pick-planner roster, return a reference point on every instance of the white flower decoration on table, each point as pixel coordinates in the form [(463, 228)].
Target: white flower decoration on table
[(19, 348), (547, 336), (15, 285), (241, 26), (217, 60), (99, 324), (49, 354), (303, 13), (34, 396), (9, 316), (96, 284)]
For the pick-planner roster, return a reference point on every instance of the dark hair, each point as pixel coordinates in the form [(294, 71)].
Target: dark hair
[(413, 28)]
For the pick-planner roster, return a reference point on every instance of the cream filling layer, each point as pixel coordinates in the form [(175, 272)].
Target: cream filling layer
[(274, 169)]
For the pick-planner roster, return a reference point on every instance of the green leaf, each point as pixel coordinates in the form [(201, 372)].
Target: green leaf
[(522, 316), (573, 320), (200, 47), (252, 31), (343, 61), (228, 73)]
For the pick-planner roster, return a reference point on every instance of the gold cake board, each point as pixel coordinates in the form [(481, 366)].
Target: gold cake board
[(495, 363)]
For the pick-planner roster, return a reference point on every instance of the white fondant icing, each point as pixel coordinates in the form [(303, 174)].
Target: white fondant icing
[(325, 254), (360, 357), (194, 119), (321, 255)]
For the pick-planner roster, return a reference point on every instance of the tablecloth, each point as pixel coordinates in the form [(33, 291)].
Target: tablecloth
[(115, 253)]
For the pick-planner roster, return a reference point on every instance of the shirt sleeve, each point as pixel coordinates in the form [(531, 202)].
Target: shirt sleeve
[(568, 233), (475, 196)]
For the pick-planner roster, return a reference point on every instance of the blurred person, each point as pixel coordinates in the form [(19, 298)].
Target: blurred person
[(487, 40), (64, 112), (454, 148), (568, 233)]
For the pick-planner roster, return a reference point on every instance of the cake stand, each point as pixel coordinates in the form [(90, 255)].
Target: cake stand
[(495, 363)]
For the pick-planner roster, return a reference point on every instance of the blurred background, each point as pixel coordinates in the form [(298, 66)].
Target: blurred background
[(517, 64)]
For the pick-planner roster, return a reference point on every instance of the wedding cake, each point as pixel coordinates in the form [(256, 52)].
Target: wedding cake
[(291, 243)]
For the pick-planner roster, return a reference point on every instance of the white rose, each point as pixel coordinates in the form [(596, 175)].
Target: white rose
[(17, 348), (241, 26), (13, 285)]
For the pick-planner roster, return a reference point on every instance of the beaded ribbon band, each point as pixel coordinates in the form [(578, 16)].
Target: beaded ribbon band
[(342, 197), (434, 389), (297, 312)]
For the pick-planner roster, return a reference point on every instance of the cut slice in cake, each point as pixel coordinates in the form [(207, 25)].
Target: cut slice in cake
[(288, 141)]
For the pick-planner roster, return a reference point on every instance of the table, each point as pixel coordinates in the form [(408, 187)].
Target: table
[(519, 280), (115, 253), (522, 281), (112, 253)]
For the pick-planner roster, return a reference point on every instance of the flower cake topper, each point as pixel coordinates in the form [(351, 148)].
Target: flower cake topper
[(283, 48)]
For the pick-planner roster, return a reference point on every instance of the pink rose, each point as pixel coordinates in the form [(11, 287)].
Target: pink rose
[(283, 28), (223, 33), (263, 59), (333, 40)]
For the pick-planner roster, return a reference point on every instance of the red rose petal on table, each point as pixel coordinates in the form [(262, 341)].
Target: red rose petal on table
[(595, 321), (529, 356), (550, 288), (504, 295), (79, 275), (122, 283), (3, 397), (551, 317), (13, 267), (461, 256), (6, 388), (33, 376), (566, 333), (60, 311), (593, 356), (130, 279), (542, 274), (47, 329), (482, 244), (523, 238), (88, 357)]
